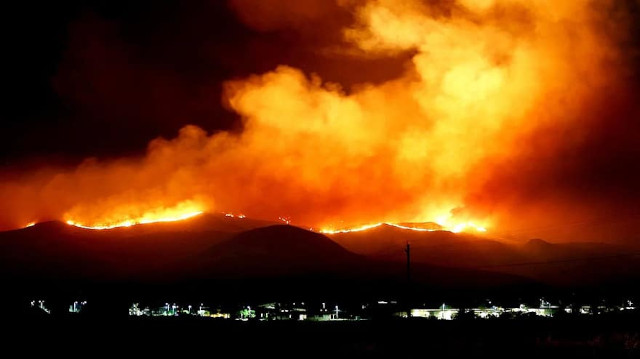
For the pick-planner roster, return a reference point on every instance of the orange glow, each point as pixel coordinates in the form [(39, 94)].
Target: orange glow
[(164, 215), (371, 226), (483, 77), (30, 224), (456, 227), (461, 227)]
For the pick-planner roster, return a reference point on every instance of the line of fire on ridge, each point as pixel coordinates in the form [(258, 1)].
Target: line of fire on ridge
[(455, 229), (131, 222), (128, 223)]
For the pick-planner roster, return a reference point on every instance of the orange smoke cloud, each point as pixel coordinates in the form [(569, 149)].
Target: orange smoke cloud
[(486, 75)]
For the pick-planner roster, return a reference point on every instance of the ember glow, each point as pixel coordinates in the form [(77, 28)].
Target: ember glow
[(456, 227), (165, 215), (493, 95), (372, 226), (462, 227)]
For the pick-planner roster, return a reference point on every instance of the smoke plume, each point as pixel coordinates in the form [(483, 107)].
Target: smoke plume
[(492, 122)]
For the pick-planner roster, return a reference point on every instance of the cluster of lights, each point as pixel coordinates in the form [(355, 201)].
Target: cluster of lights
[(40, 304), (231, 215)]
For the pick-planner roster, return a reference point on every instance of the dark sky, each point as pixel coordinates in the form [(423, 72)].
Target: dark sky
[(102, 78)]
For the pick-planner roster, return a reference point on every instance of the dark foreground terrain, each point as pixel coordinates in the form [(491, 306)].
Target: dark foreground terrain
[(175, 337)]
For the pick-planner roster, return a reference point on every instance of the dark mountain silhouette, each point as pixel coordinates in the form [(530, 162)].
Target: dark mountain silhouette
[(216, 246), (578, 263), (441, 248), (221, 257), (57, 250), (285, 259), (156, 259), (537, 245), (280, 249), (560, 264)]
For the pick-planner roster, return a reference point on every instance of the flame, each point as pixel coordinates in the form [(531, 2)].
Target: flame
[(162, 215), (231, 215), (462, 227), (371, 226), (484, 78), (457, 228), (349, 230), (446, 221), (30, 224)]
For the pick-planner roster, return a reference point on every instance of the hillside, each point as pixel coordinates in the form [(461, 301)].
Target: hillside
[(577, 264)]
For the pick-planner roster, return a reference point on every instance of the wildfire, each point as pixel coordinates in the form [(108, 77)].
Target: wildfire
[(231, 215), (461, 227), (30, 224), (488, 88), (371, 226), (457, 227), (144, 220)]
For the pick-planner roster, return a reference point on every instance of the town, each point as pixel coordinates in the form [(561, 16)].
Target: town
[(332, 311)]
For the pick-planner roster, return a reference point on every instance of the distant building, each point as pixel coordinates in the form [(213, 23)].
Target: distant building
[(444, 312), (281, 311), (246, 313), (40, 305), (328, 312), (546, 309), (138, 311), (76, 306)]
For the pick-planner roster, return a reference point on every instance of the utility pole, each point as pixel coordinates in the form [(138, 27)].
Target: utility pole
[(408, 299), (408, 251)]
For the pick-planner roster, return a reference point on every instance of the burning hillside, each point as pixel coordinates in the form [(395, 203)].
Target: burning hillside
[(468, 136)]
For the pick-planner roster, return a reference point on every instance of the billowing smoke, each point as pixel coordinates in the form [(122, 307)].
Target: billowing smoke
[(499, 104)]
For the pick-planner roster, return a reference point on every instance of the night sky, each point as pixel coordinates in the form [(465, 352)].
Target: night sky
[(103, 78)]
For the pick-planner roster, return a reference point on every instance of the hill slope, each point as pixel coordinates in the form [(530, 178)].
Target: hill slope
[(560, 264)]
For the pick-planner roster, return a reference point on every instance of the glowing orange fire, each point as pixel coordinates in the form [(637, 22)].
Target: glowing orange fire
[(461, 227), (371, 226), (451, 225), (148, 218), (484, 78)]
